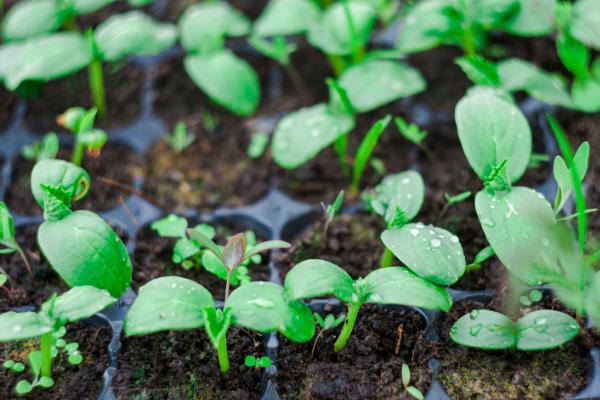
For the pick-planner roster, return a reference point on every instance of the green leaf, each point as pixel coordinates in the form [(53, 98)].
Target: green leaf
[(586, 95), (484, 329), (19, 326), (59, 173), (414, 392), (201, 23), (168, 303), (133, 33), (332, 33), (574, 55), (216, 323), (411, 132), (304, 133), (266, 246), (23, 387), (432, 253), (7, 231), (88, 6), (205, 240), (46, 382), (366, 148), (9, 364), (3, 279), (46, 58), (424, 26), (396, 285), (234, 251), (184, 249), (483, 255), (30, 18), (592, 299), (521, 228), (286, 17), (79, 303), (374, 83), (35, 362), (404, 190), (545, 329), (139, 3), (258, 145), (264, 307), (491, 130), (172, 226), (18, 367), (534, 18), (227, 79), (265, 362), (479, 70), (45, 149), (584, 22), (84, 250), (94, 139), (405, 374), (315, 278), (562, 173), (250, 361)]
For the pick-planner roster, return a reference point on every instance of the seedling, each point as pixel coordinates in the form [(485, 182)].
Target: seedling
[(48, 324), (174, 303), (408, 388), (325, 324), (8, 241), (235, 252), (258, 144), (538, 330), (330, 212), (257, 362), (532, 297), (315, 278), (81, 124), (44, 149), (482, 256), (3, 279), (452, 200), (81, 247), (180, 139), (414, 134)]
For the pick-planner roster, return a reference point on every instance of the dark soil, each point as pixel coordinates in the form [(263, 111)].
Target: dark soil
[(475, 374), (24, 290), (181, 365), (368, 367), (152, 259), (116, 163), (352, 243), (82, 382), (7, 105), (123, 90)]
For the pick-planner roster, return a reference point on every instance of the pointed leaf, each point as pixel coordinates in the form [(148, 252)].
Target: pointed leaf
[(266, 246), (81, 302), (545, 329), (534, 18), (484, 329), (206, 242), (315, 278), (216, 323), (584, 22), (286, 17), (234, 251), (170, 226), (19, 326), (404, 190), (30, 18)]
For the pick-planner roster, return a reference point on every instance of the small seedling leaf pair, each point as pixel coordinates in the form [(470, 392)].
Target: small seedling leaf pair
[(563, 174), (538, 330), (180, 139), (44, 149), (413, 391), (286, 17), (258, 362), (81, 124)]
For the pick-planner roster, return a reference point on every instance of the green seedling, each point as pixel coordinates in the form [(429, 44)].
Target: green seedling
[(236, 251), (79, 245), (257, 362), (258, 144), (413, 133), (408, 388), (16, 367), (315, 278), (8, 242), (80, 123), (452, 200), (532, 297), (44, 149), (227, 79), (180, 139), (538, 330), (48, 324), (174, 303), (330, 212), (482, 256), (3, 279), (537, 159), (329, 322)]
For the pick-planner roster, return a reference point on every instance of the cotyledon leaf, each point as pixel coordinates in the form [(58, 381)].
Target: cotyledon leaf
[(59, 173), (484, 329), (404, 190), (286, 17), (30, 18)]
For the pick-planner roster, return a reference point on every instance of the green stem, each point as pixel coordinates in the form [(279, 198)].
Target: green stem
[(222, 353), (341, 148), (340, 343), (358, 51), (78, 151), (469, 42), (46, 346), (96, 77), (337, 63), (387, 259)]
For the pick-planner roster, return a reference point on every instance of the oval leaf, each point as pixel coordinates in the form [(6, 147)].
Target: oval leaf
[(19, 326), (81, 302), (585, 21), (314, 278), (484, 329), (404, 190), (286, 17), (545, 329), (534, 18), (58, 173), (30, 18)]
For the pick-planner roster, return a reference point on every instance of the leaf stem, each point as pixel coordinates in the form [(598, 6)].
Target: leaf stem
[(340, 343), (337, 63), (96, 77), (78, 151), (387, 258), (46, 347), (222, 353), (228, 284), (341, 148)]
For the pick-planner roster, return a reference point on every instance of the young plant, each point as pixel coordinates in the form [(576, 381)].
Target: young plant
[(174, 303), (408, 388), (325, 324), (330, 212), (258, 145), (48, 324), (315, 278), (236, 251), (452, 200), (44, 149), (81, 124), (8, 241), (482, 256), (180, 139), (532, 297), (413, 133), (257, 362), (81, 247)]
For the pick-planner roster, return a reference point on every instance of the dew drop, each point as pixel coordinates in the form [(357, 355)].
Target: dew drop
[(475, 329), (406, 181), (545, 242), (454, 239), (435, 243), (263, 303), (474, 314), (414, 232), (420, 225), (17, 328), (488, 222)]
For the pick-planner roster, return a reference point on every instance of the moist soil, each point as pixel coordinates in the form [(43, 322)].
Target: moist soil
[(8, 101), (352, 243), (115, 165), (152, 259), (368, 367), (476, 374), (181, 365), (82, 382)]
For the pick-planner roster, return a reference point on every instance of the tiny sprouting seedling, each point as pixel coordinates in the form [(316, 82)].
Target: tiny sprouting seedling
[(48, 324), (452, 200), (16, 367), (235, 252), (180, 139), (8, 242), (81, 124), (537, 159), (209, 120), (3, 279), (482, 256), (408, 388), (258, 362), (44, 149), (174, 303), (330, 212), (315, 278), (258, 144), (378, 166), (413, 134), (563, 174), (490, 330), (79, 245), (329, 322), (530, 298)]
